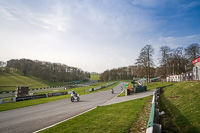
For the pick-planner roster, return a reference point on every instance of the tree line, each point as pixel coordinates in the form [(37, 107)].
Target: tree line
[(171, 61), (177, 60), (48, 71)]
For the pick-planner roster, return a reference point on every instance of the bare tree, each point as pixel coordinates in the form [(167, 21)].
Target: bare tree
[(145, 60), (2, 63), (164, 59), (192, 52), (140, 73)]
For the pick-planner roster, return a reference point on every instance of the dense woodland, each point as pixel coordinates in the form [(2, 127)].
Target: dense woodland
[(172, 61), (47, 71)]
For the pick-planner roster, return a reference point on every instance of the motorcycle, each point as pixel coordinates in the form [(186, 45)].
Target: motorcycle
[(74, 97)]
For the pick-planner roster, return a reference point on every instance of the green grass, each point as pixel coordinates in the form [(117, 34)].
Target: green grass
[(8, 82), (83, 90), (154, 85), (150, 86), (80, 90), (94, 76), (56, 83), (122, 94), (115, 118), (181, 103)]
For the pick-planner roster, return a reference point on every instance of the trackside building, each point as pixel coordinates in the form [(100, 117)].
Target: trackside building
[(196, 68), (189, 76)]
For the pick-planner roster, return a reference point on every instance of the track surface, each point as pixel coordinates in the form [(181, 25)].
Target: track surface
[(30, 119)]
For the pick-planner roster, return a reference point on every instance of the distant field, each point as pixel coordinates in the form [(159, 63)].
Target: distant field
[(94, 76), (181, 103), (8, 82)]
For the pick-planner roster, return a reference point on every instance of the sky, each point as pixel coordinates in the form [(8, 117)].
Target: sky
[(95, 35)]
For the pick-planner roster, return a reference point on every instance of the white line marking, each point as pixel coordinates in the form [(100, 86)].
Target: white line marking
[(64, 120)]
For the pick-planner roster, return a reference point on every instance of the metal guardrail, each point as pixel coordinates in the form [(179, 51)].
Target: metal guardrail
[(98, 88), (10, 92), (153, 123)]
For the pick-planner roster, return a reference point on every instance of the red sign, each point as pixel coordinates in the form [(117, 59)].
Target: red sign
[(196, 60)]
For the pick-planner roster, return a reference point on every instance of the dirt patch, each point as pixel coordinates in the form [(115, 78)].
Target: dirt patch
[(174, 97), (140, 125)]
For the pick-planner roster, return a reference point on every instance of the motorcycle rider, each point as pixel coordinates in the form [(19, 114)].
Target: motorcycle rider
[(74, 96), (112, 91), (74, 93)]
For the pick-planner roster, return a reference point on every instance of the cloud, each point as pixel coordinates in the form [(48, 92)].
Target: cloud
[(84, 17), (148, 3), (92, 35), (7, 12), (172, 42), (190, 5)]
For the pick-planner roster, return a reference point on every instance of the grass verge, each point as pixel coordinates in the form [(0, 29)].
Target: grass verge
[(140, 125), (116, 118), (181, 103)]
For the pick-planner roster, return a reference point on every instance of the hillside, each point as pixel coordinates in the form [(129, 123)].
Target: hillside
[(181, 103), (94, 76), (9, 81)]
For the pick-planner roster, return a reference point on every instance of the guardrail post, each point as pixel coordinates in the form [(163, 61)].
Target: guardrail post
[(156, 116), (69, 92), (157, 128), (14, 99)]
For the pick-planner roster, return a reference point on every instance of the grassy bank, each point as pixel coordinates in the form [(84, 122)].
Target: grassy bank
[(154, 85), (115, 118), (80, 90), (181, 103), (94, 76), (8, 82)]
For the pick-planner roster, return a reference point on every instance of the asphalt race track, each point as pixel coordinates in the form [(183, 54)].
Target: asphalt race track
[(33, 118)]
